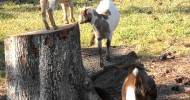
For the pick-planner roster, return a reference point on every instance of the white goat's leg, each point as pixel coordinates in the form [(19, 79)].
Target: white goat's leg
[(108, 43), (43, 5), (71, 11), (50, 12), (100, 52), (64, 7)]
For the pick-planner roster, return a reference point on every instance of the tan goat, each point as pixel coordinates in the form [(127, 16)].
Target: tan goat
[(138, 85), (64, 3)]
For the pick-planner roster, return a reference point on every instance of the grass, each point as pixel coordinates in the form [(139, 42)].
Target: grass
[(148, 26)]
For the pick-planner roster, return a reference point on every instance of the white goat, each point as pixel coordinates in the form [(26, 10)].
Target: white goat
[(64, 3), (138, 85), (104, 21)]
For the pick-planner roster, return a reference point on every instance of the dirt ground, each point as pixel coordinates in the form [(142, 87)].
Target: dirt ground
[(167, 74)]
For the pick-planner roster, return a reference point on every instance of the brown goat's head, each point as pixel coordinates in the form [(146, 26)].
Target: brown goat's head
[(85, 15)]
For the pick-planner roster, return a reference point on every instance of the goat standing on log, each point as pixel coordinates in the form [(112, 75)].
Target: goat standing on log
[(64, 3), (138, 85), (104, 21)]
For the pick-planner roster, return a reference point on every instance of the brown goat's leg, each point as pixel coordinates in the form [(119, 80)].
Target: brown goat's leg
[(43, 5), (108, 49), (45, 21), (64, 7), (71, 13), (100, 52), (50, 12)]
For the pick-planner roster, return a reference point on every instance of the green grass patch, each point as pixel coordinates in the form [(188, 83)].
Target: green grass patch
[(2, 73)]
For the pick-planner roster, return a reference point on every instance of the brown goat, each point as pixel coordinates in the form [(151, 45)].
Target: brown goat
[(64, 4), (138, 85)]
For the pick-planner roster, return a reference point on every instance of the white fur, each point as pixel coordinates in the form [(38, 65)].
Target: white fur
[(113, 20), (135, 71), (130, 94), (80, 18), (52, 4)]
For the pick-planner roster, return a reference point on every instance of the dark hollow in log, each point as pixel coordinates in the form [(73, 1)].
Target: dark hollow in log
[(47, 65)]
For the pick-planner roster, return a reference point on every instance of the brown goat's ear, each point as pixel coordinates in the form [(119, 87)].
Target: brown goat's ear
[(141, 87)]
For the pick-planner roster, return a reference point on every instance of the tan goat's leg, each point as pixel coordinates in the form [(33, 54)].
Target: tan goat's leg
[(50, 12), (43, 5), (64, 7), (71, 13)]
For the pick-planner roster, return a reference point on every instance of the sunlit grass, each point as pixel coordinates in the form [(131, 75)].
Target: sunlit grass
[(2, 87)]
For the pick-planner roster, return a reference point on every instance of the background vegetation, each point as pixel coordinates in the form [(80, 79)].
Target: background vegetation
[(147, 26)]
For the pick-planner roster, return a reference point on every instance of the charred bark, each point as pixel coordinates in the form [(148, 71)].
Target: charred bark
[(47, 65)]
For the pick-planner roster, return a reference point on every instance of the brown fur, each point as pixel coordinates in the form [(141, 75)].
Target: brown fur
[(129, 81)]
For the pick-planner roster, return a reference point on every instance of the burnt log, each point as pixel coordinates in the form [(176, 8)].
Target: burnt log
[(47, 65)]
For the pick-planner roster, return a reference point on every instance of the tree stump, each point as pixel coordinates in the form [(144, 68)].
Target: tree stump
[(47, 65)]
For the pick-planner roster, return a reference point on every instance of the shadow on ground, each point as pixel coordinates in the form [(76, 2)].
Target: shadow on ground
[(3, 98), (111, 79)]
